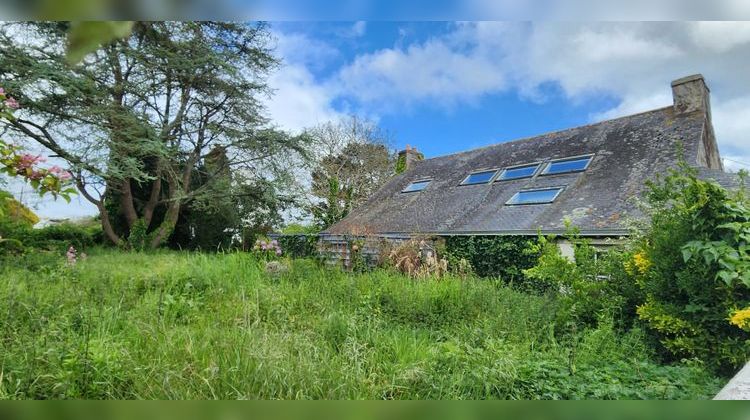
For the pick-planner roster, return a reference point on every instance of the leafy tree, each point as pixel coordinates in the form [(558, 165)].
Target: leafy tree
[(146, 111), (354, 161)]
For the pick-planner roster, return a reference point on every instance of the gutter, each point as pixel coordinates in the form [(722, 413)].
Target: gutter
[(517, 232)]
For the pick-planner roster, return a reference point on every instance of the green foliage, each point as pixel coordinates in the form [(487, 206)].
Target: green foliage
[(87, 36), (400, 163), (157, 108), (14, 211), (299, 229), (590, 286), (492, 256), (169, 325), (139, 238), (57, 237), (299, 245), (693, 264)]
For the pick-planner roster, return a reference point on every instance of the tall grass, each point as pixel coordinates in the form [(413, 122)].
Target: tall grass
[(194, 326)]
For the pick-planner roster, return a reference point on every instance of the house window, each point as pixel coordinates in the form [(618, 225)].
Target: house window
[(479, 177), (562, 166), (516, 172), (538, 196), (416, 186)]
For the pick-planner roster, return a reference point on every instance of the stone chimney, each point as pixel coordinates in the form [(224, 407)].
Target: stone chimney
[(407, 158), (691, 94)]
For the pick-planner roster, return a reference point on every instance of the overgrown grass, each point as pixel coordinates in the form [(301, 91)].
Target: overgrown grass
[(185, 326)]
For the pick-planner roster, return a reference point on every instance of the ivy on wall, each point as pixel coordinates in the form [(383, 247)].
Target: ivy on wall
[(493, 256)]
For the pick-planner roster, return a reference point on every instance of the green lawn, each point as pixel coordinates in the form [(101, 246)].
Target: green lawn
[(184, 326)]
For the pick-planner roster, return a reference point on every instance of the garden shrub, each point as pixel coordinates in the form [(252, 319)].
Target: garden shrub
[(591, 286), (299, 245), (693, 265), (492, 256), (54, 237)]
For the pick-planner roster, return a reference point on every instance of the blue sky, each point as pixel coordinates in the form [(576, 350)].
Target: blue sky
[(445, 86), (436, 127), (451, 86)]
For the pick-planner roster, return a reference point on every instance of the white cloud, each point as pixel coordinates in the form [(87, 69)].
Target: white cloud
[(299, 100), (359, 28), (720, 36), (630, 62)]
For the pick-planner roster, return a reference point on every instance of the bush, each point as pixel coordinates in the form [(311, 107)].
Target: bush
[(299, 245), (693, 265), (54, 237), (492, 256), (591, 286)]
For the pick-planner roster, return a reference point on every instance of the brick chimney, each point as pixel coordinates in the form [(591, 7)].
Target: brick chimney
[(691, 94), (407, 158)]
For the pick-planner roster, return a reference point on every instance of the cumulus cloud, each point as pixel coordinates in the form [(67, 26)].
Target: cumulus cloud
[(629, 62), (299, 100)]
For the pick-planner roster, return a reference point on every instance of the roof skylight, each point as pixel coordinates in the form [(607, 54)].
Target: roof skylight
[(537, 196), (561, 166), (479, 177), (416, 186), (516, 172)]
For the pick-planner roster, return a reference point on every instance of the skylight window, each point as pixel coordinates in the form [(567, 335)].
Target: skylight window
[(517, 172), (416, 186), (479, 177), (539, 196), (562, 166)]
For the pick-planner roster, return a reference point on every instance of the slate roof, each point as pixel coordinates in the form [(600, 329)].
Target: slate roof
[(600, 200)]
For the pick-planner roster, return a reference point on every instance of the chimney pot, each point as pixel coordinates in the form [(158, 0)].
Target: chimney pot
[(410, 155), (691, 94)]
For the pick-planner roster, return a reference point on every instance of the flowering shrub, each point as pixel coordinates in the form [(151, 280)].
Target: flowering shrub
[(266, 249), (693, 266), (14, 162), (741, 318)]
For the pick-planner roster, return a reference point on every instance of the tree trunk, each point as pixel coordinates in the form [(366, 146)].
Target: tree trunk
[(107, 225), (167, 226), (126, 203)]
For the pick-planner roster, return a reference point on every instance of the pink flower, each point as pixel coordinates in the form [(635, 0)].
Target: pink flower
[(35, 175), (2, 91), (65, 176), (11, 103), (71, 256), (278, 251)]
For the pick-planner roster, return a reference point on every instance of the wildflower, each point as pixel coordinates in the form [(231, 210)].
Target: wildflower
[(2, 92), (278, 251), (71, 255), (11, 103), (642, 262), (741, 318), (639, 265)]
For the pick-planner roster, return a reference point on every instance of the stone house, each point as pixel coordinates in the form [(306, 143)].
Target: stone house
[(589, 175)]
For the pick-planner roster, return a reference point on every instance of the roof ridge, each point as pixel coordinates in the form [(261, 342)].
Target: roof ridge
[(528, 138)]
